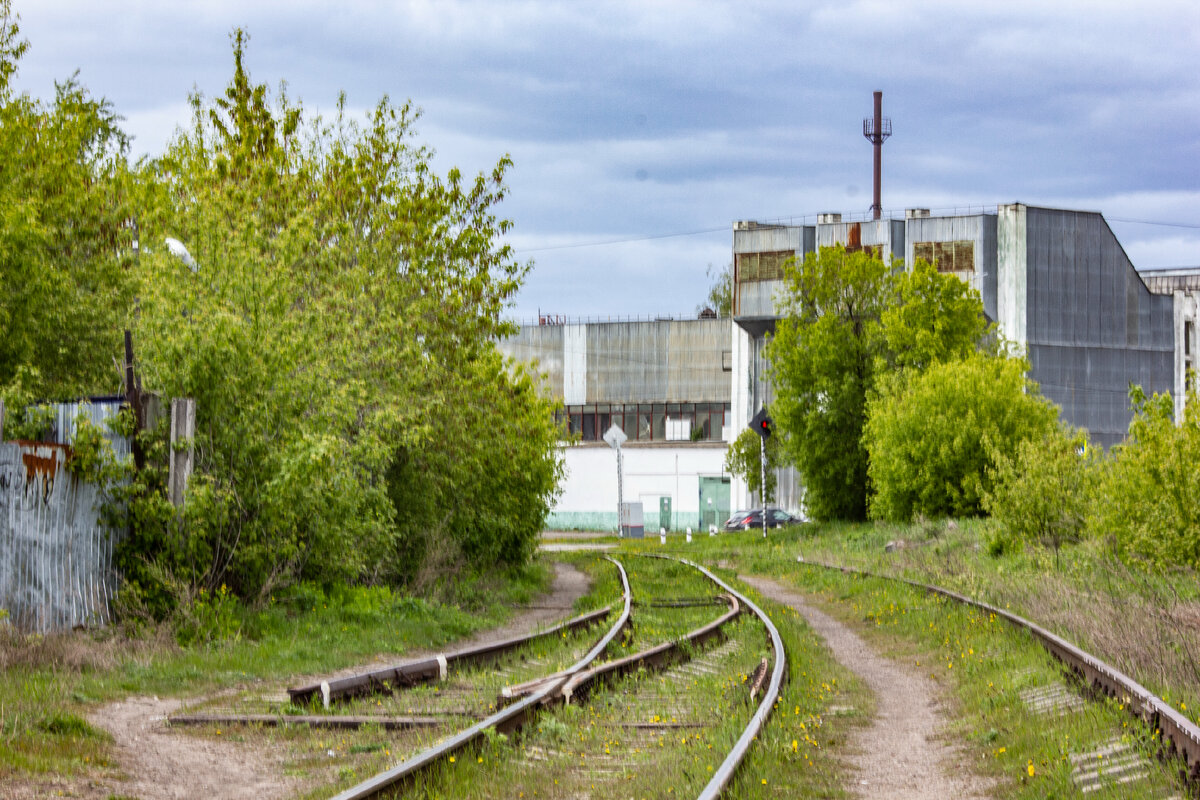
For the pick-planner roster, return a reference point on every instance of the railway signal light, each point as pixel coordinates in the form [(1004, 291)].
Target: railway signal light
[(762, 424)]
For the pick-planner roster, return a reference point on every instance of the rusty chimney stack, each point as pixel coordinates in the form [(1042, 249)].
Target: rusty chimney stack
[(877, 129)]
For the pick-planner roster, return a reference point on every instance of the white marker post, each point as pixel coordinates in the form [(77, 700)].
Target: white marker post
[(615, 438)]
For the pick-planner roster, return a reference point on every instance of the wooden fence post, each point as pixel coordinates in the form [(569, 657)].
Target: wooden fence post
[(183, 451)]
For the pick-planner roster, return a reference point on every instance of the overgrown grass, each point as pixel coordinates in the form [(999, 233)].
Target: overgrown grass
[(591, 748), (1143, 621), (48, 685), (1140, 621)]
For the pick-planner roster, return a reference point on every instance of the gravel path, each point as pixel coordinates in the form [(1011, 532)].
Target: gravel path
[(164, 764), (901, 755)]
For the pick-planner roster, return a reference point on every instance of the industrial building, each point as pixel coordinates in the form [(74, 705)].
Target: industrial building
[(1057, 283), (666, 384)]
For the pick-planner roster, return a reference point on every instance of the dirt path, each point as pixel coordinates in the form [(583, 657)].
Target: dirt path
[(165, 764), (900, 755)]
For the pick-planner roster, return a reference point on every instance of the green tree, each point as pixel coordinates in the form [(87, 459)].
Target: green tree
[(65, 238), (850, 322), (823, 360), (720, 291), (933, 437), (932, 318), (337, 330), (1040, 492), (743, 460), (1148, 492)]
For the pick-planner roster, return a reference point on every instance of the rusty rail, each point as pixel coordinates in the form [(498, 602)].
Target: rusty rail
[(504, 720), (430, 669), (1180, 736), (725, 772), (308, 721), (661, 655)]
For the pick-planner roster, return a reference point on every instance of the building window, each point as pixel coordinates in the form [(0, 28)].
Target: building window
[(761, 266), (649, 422), (947, 256)]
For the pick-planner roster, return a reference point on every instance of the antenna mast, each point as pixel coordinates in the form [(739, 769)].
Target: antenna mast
[(877, 130)]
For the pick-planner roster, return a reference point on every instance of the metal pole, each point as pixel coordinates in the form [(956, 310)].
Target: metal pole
[(762, 476), (877, 206), (620, 496)]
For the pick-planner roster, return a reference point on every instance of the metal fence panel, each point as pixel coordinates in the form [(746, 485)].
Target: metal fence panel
[(56, 557)]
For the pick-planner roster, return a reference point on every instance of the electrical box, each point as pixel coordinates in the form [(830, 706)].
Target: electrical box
[(631, 521), (664, 512)]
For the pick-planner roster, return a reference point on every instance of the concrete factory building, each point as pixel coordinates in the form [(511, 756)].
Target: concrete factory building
[(1057, 283), (666, 384)]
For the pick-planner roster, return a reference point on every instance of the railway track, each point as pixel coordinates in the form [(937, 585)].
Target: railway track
[(1178, 736), (672, 695)]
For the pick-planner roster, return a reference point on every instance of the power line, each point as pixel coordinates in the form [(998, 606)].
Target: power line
[(606, 242), (779, 219), (1191, 225)]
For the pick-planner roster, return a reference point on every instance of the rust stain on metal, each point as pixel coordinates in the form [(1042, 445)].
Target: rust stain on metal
[(41, 459), (854, 237)]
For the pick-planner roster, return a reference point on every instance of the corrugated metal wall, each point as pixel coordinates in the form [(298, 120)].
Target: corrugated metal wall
[(543, 344), (662, 361), (678, 361), (1092, 326), (56, 559)]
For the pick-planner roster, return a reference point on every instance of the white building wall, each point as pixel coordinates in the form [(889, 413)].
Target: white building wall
[(589, 487), (740, 399), (1186, 306), (1012, 279)]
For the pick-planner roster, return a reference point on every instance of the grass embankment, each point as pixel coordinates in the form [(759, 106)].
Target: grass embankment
[(1139, 622), (49, 685)]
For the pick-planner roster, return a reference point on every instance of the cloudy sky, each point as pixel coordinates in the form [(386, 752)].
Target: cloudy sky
[(641, 130)]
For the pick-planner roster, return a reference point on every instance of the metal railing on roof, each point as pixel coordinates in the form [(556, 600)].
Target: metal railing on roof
[(566, 319)]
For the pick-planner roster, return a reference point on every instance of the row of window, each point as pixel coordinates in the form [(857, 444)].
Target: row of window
[(761, 266), (958, 256), (648, 422), (948, 256)]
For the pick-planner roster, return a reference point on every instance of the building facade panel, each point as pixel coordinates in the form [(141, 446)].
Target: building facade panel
[(978, 232)]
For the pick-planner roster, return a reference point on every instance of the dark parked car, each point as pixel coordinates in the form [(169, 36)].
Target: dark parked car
[(744, 520)]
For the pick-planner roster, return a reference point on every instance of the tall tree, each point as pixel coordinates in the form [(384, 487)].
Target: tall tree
[(823, 361), (854, 326), (720, 291), (65, 237), (336, 326)]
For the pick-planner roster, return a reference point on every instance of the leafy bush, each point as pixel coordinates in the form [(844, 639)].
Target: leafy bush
[(1148, 493), (851, 320), (933, 437), (211, 618), (744, 456), (1040, 492), (336, 326)]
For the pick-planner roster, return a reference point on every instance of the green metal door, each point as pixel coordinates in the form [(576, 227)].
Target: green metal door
[(714, 502), (664, 512)]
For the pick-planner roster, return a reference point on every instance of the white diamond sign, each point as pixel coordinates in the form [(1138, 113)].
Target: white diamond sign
[(615, 437)]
